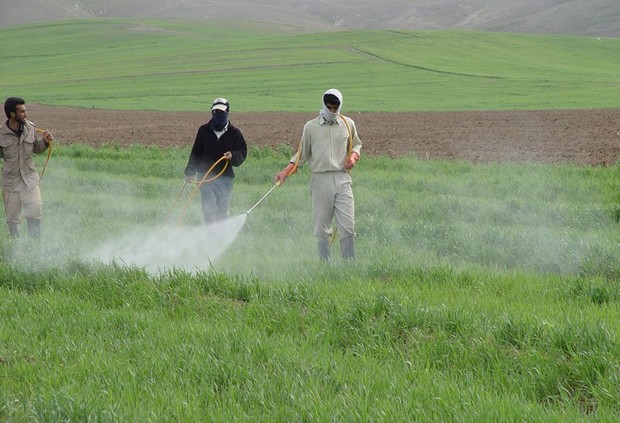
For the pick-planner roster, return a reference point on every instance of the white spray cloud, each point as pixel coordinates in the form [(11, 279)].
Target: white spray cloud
[(188, 248)]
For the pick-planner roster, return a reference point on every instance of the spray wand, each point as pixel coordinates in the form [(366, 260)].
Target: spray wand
[(263, 197)]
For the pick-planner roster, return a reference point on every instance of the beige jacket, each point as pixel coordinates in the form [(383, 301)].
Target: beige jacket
[(18, 170), (325, 146)]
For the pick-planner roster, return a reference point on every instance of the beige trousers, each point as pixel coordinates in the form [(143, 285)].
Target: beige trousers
[(28, 201), (332, 196)]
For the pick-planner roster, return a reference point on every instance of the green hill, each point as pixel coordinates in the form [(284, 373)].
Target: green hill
[(165, 65)]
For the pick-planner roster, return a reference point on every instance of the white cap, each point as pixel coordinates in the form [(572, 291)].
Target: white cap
[(220, 104)]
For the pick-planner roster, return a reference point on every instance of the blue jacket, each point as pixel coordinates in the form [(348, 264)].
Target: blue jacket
[(208, 149)]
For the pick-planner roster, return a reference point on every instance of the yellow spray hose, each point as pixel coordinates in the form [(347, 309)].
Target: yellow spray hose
[(350, 140), (176, 200), (349, 151), (204, 180), (49, 153)]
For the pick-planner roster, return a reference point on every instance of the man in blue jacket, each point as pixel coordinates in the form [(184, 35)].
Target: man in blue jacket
[(215, 140)]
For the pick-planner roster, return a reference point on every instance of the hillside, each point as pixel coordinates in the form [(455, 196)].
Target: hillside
[(581, 17)]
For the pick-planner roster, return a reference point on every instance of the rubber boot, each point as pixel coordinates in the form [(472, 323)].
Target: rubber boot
[(34, 228), (347, 248), (324, 249), (13, 230)]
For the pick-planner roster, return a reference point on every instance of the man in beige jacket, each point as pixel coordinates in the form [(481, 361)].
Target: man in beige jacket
[(20, 180), (331, 146)]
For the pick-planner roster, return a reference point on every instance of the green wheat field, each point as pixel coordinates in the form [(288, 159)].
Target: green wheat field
[(485, 292)]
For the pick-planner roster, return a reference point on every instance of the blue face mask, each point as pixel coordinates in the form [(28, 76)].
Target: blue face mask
[(219, 120)]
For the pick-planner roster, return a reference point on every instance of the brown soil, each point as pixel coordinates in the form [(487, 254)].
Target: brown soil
[(588, 137)]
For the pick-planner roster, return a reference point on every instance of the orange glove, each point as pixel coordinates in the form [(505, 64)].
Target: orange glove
[(353, 158), (288, 170)]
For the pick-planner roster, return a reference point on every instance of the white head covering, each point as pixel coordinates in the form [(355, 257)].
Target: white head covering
[(327, 115)]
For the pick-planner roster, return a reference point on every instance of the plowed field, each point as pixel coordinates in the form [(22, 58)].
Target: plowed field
[(588, 137)]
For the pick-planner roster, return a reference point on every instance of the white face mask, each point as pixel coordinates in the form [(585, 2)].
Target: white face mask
[(328, 116)]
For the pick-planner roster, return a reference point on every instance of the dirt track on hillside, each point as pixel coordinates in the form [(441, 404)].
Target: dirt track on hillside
[(555, 136)]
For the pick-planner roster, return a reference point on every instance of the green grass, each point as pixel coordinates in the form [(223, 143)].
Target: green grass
[(175, 65), (480, 293)]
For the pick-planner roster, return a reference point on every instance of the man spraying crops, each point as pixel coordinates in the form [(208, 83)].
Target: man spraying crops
[(331, 146), (20, 180), (219, 145)]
